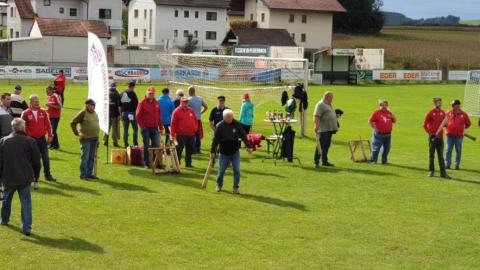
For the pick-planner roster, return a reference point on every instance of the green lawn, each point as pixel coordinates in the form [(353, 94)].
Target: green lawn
[(353, 216), (471, 22)]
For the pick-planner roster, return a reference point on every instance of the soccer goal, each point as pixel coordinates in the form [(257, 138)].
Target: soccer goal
[(471, 103), (265, 79)]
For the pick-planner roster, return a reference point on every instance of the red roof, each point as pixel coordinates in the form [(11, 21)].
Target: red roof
[(25, 9), (313, 5), (72, 28)]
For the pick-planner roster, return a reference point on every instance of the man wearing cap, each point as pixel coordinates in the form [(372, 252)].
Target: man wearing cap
[(18, 104), (199, 107), (38, 126), (5, 115), (456, 122), (129, 103), (114, 115), (381, 121), (178, 99), (88, 134), (216, 115), (54, 110), (228, 134), (432, 122), (183, 128), (167, 106), (326, 125), (149, 118), (59, 82)]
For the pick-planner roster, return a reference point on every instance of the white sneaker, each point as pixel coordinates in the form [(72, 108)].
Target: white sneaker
[(219, 189)]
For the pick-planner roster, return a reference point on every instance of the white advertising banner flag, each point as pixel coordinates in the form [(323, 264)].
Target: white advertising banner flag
[(407, 75), (98, 79)]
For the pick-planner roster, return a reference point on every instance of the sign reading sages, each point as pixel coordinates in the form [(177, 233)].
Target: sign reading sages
[(98, 80), (407, 75)]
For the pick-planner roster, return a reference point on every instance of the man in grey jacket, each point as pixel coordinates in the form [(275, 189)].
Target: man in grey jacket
[(5, 115), (19, 166)]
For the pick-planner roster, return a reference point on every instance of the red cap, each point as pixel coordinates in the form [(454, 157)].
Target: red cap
[(246, 95), (151, 90), (184, 99)]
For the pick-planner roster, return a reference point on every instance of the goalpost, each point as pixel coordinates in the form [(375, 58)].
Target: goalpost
[(216, 75), (471, 103)]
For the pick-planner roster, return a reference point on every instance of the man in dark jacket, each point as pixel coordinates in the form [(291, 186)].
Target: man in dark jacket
[(228, 134), (129, 103), (5, 115), (114, 114), (19, 166)]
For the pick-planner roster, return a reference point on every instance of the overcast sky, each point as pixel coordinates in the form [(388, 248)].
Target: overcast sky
[(466, 9)]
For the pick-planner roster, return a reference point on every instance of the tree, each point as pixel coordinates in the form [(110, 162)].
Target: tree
[(191, 44), (362, 16)]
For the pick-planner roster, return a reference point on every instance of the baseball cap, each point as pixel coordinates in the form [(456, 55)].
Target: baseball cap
[(151, 90), (456, 102), (246, 95), (184, 99), (132, 83), (18, 87), (90, 102)]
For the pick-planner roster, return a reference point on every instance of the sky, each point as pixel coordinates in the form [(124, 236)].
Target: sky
[(415, 9)]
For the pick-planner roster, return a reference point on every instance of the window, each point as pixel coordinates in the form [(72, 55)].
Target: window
[(105, 13), (17, 34), (73, 12), (61, 10), (150, 24), (46, 2), (185, 33), (186, 13), (135, 32), (12, 12), (176, 13), (175, 33), (291, 18), (293, 36), (11, 32), (251, 16), (144, 13), (304, 38), (196, 14), (195, 33), (144, 32), (211, 35), (263, 17), (211, 16), (135, 13), (304, 18)]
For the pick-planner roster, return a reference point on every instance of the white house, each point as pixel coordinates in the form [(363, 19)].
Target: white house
[(309, 22), (167, 23), (22, 14)]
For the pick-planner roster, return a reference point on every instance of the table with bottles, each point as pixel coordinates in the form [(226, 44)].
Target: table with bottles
[(280, 121)]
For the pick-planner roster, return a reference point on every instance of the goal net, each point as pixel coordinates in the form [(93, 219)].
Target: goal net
[(264, 79), (471, 103)]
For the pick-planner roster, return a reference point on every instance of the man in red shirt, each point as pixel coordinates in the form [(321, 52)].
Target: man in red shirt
[(381, 121), (37, 126), (432, 122), (54, 110), (183, 128), (149, 118), (456, 122), (59, 82)]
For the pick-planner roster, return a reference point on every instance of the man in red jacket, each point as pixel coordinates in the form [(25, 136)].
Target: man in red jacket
[(59, 82), (54, 110), (433, 120), (456, 122), (183, 128), (149, 118), (37, 126)]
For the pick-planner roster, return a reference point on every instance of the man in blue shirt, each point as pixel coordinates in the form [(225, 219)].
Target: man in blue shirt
[(167, 106), (216, 115), (199, 107)]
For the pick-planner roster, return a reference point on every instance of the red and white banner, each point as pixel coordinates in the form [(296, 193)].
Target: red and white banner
[(407, 75), (98, 79)]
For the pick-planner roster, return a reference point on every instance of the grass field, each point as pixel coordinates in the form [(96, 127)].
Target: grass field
[(352, 216), (420, 47), (471, 22)]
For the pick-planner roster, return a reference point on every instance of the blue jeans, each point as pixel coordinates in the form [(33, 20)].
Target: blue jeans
[(380, 141), (87, 160), (54, 122), (151, 138), (26, 202), (451, 142), (126, 123), (43, 148), (223, 163)]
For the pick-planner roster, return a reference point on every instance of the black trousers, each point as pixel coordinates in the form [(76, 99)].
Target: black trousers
[(436, 145), (187, 142), (325, 142)]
